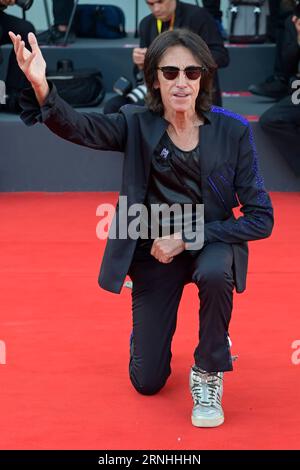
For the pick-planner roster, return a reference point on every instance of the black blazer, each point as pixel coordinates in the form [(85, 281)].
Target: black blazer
[(229, 173)]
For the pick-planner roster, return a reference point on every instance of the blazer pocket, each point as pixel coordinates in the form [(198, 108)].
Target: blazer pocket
[(221, 182)]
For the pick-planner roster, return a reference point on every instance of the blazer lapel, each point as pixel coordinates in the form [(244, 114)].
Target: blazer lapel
[(152, 130)]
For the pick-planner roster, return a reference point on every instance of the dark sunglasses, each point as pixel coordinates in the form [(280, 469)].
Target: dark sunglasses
[(192, 72)]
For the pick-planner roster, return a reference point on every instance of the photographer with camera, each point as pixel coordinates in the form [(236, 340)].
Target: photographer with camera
[(15, 79), (167, 15), (282, 121)]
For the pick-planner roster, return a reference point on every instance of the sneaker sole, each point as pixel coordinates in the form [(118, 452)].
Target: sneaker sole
[(207, 423)]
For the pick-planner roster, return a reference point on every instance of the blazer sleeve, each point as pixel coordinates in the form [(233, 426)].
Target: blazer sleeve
[(95, 130), (257, 221)]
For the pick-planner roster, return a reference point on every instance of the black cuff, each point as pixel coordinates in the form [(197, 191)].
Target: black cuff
[(32, 111)]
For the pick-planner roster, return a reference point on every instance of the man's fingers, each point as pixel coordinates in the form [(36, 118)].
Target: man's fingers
[(17, 44), (165, 260), (15, 40), (23, 55), (20, 52), (138, 53), (30, 59), (12, 36), (33, 42)]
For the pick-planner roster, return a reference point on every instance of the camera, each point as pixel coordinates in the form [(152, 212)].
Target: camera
[(25, 4), (136, 95)]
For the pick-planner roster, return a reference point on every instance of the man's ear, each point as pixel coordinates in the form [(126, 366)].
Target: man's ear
[(156, 84)]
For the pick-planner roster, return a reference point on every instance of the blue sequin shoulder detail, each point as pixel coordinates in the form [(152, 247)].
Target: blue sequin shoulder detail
[(227, 112), (262, 197)]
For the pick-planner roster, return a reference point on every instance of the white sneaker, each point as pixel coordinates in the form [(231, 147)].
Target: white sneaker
[(207, 390)]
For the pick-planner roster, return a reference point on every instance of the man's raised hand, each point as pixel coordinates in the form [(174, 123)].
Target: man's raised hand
[(32, 64)]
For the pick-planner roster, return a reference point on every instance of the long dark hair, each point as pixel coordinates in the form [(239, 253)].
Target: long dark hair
[(199, 49)]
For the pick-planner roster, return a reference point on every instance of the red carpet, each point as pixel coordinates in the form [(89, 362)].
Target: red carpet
[(65, 382)]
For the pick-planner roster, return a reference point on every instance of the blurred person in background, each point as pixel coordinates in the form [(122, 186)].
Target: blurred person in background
[(282, 121), (276, 86), (62, 10)]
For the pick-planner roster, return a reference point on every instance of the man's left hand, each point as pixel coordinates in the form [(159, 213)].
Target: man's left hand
[(165, 248)]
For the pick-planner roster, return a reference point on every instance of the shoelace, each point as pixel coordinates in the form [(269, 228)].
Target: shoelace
[(205, 390)]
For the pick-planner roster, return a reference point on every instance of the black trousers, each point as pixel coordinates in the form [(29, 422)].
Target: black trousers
[(282, 124), (156, 293), (62, 10), (279, 69), (275, 22), (15, 79)]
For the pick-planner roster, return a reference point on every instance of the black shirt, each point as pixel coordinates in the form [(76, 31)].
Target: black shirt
[(174, 179), (175, 175)]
